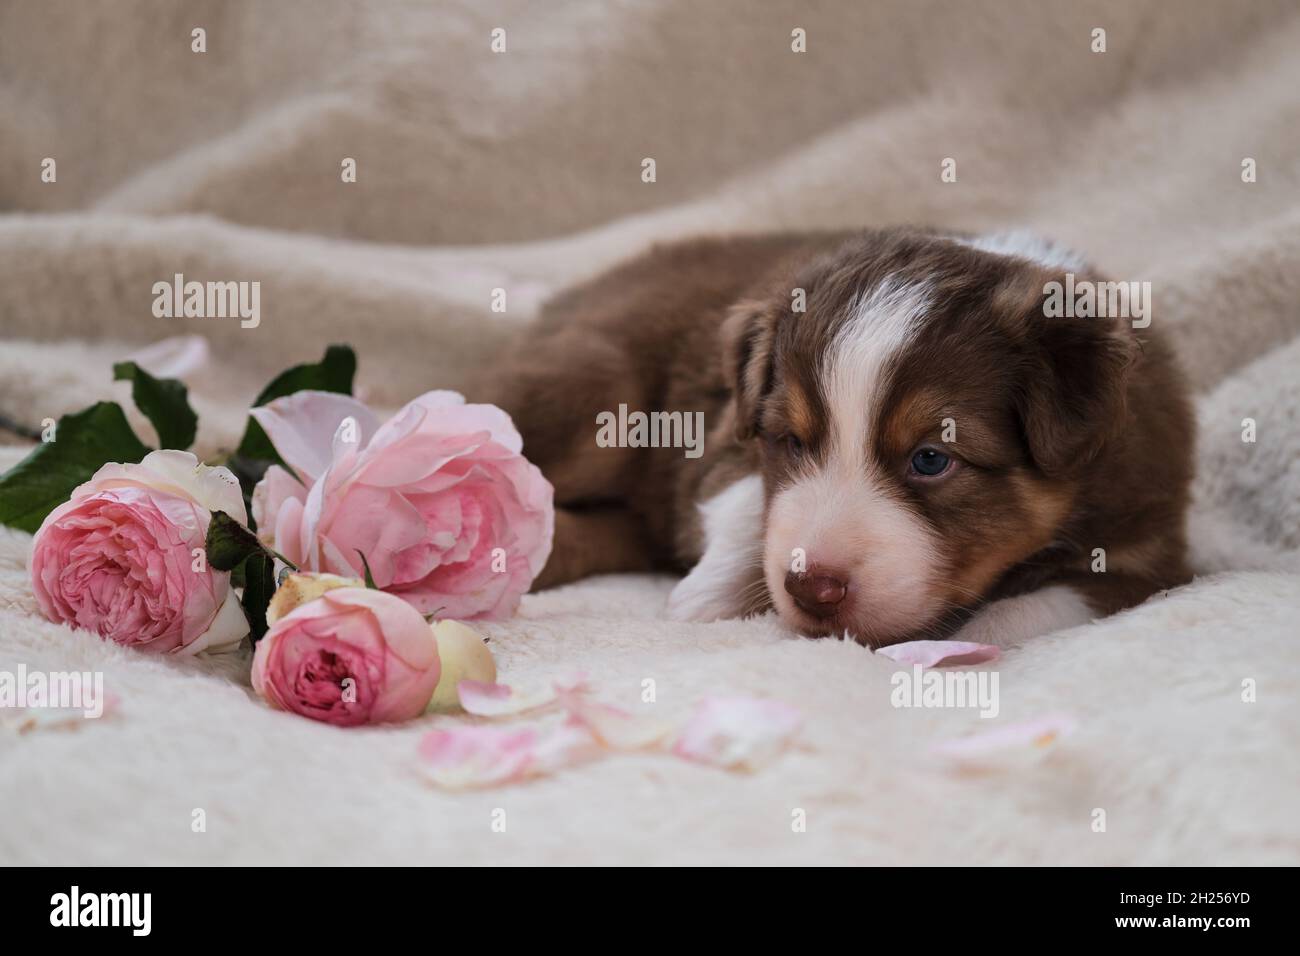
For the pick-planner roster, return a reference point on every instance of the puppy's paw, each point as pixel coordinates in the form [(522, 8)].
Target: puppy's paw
[(1012, 621), (728, 580), (699, 598)]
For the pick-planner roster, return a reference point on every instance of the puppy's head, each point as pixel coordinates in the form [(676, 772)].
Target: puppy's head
[(922, 427)]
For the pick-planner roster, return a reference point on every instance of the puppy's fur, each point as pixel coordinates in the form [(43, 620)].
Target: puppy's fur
[(1065, 435)]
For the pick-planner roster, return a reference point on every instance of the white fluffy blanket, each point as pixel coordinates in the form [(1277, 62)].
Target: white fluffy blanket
[(522, 170)]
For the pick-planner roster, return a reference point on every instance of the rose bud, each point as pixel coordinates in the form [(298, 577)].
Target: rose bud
[(464, 656), (125, 558), (300, 587)]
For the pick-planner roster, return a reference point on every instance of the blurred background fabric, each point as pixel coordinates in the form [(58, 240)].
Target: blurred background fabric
[(522, 170)]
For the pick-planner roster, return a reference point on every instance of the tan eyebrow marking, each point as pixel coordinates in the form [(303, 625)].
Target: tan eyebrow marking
[(802, 417)]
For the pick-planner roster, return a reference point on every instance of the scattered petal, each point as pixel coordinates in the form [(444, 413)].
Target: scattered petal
[(177, 357), (737, 732), (500, 700), (477, 756), (938, 653), (464, 757), (22, 720), (483, 698), (613, 727), (563, 745), (1030, 738)]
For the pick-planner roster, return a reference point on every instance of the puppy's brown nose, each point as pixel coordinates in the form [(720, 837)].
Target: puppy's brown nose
[(818, 591)]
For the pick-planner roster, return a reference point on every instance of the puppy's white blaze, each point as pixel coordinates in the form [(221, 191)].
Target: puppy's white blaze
[(1025, 245), (842, 512), (880, 325), (718, 585)]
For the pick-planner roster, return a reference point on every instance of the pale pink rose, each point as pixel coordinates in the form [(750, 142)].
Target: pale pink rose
[(440, 500), (351, 656), (119, 557)]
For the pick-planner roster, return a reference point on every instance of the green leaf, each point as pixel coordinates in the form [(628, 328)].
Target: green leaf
[(229, 543), (333, 373), (45, 479), (255, 452), (259, 585), (370, 580), (164, 401)]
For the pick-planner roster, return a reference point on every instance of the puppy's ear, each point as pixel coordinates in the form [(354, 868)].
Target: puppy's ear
[(1073, 394), (746, 337)]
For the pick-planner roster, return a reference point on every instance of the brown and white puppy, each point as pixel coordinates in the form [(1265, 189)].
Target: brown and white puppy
[(919, 452)]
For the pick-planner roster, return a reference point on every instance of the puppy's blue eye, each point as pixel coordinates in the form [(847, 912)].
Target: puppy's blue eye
[(927, 462)]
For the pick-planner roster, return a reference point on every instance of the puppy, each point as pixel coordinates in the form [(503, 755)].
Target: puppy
[(900, 443)]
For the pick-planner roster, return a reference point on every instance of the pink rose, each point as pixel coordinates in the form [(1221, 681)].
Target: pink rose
[(120, 559), (351, 656), (447, 511)]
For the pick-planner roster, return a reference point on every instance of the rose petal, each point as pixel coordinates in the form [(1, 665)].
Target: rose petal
[(23, 720), (501, 700), (302, 427), (462, 757), (737, 732), (277, 487), (227, 630), (443, 414), (178, 473), (938, 653), (612, 727), (563, 745), (477, 756), (1030, 738), (488, 700), (409, 641), (174, 357), (377, 523)]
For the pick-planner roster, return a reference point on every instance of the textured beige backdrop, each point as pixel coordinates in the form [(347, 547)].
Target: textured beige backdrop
[(522, 171)]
